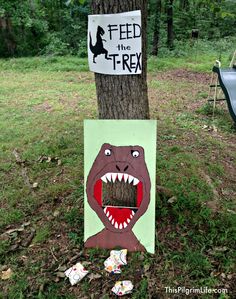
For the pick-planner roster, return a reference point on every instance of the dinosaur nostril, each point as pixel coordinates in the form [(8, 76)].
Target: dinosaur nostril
[(126, 167), (118, 168)]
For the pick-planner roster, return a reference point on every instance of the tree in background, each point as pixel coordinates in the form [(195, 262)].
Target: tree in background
[(59, 27), (22, 27), (170, 24), (156, 6), (33, 27)]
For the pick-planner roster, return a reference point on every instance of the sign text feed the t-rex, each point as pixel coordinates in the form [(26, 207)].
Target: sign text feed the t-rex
[(115, 43)]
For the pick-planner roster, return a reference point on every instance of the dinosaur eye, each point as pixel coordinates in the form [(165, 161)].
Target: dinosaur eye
[(135, 154), (107, 152)]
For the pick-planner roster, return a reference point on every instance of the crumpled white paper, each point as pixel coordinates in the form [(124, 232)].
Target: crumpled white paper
[(76, 273), (122, 288), (116, 259)]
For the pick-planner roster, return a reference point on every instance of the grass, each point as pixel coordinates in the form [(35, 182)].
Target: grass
[(43, 102)]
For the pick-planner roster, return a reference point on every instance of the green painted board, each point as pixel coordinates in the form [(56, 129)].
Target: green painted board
[(120, 150)]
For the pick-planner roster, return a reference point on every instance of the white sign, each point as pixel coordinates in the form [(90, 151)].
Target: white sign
[(115, 43)]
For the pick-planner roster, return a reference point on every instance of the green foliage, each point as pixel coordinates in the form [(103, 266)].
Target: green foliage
[(213, 19), (55, 46), (142, 292), (42, 234), (4, 246), (23, 27), (29, 28), (42, 27), (74, 218)]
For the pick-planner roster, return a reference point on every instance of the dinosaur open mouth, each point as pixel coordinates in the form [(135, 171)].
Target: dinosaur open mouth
[(110, 195)]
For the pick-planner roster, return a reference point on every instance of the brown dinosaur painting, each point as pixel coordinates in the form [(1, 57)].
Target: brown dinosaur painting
[(118, 165)]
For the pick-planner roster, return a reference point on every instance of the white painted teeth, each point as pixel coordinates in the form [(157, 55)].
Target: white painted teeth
[(108, 176), (114, 223), (104, 179), (112, 177), (130, 178), (120, 175), (126, 176)]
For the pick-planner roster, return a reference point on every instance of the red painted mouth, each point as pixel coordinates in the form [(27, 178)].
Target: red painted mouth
[(119, 216)]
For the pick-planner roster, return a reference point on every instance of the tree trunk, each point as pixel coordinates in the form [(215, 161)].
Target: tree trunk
[(156, 30), (170, 29), (7, 34), (124, 96)]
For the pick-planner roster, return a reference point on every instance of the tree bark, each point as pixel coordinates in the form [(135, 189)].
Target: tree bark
[(7, 34), (156, 29), (125, 96), (170, 29)]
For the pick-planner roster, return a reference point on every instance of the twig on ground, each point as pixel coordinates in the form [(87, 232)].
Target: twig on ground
[(53, 255)]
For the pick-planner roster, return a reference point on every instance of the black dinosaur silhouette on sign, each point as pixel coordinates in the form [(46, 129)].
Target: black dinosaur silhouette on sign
[(98, 48)]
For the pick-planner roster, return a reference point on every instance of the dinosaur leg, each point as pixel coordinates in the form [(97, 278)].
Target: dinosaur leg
[(106, 54), (94, 56)]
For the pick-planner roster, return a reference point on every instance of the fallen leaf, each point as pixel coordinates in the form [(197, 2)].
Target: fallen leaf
[(60, 274), (25, 224), (57, 279), (221, 249), (56, 213), (6, 274), (62, 268), (231, 211), (94, 276), (172, 199), (4, 237), (13, 247), (35, 185), (41, 159), (12, 230), (223, 275), (214, 128), (146, 269), (214, 250)]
